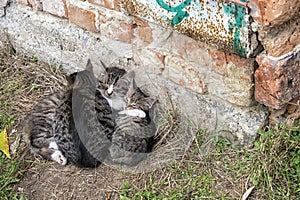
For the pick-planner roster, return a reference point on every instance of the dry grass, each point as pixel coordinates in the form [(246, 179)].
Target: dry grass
[(25, 81)]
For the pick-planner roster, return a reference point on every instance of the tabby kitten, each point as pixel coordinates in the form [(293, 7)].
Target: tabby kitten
[(134, 132), (51, 130), (109, 79)]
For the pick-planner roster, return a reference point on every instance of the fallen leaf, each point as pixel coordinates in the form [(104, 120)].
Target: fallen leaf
[(4, 147), (247, 193)]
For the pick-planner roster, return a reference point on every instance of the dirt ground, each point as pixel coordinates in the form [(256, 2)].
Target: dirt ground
[(53, 181)]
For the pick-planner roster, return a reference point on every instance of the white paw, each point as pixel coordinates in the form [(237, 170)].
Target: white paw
[(133, 113), (59, 158), (53, 145)]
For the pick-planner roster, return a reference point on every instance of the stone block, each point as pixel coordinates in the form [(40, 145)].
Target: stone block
[(56, 7), (280, 40), (277, 82), (82, 17), (273, 12), (3, 4)]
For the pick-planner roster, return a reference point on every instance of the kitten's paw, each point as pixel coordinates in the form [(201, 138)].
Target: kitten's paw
[(53, 145), (133, 113), (59, 158)]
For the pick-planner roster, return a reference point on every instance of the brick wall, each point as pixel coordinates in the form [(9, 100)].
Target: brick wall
[(277, 23)]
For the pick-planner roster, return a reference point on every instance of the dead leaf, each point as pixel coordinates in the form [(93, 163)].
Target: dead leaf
[(247, 193), (4, 147)]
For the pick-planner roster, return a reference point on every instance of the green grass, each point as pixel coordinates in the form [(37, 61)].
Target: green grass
[(10, 173), (276, 163), (227, 171), (6, 120), (10, 170)]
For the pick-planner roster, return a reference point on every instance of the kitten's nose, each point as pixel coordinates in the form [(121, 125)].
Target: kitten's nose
[(110, 89)]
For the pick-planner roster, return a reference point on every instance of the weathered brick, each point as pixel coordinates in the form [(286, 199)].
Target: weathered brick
[(188, 48), (36, 4), (104, 3), (200, 68), (184, 74), (115, 25), (281, 39), (56, 7), (24, 2), (144, 31), (222, 59), (82, 17), (273, 12), (277, 81)]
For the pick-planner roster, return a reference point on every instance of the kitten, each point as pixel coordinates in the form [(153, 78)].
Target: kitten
[(93, 118), (40, 126), (51, 130), (109, 79), (134, 132)]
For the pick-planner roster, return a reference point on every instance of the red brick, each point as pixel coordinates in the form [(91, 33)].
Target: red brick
[(82, 17), (184, 74), (116, 5), (221, 60), (277, 82), (273, 12), (24, 2), (281, 39), (188, 48), (36, 4), (104, 3), (126, 33), (115, 25), (144, 31), (56, 7)]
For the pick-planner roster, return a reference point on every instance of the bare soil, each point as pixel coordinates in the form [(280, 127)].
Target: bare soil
[(44, 180)]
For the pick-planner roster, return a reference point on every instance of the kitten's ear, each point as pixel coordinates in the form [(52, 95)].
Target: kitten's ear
[(130, 78), (89, 67), (130, 75), (102, 67), (149, 102)]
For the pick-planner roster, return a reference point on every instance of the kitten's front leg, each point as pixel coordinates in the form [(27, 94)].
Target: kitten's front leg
[(133, 113)]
